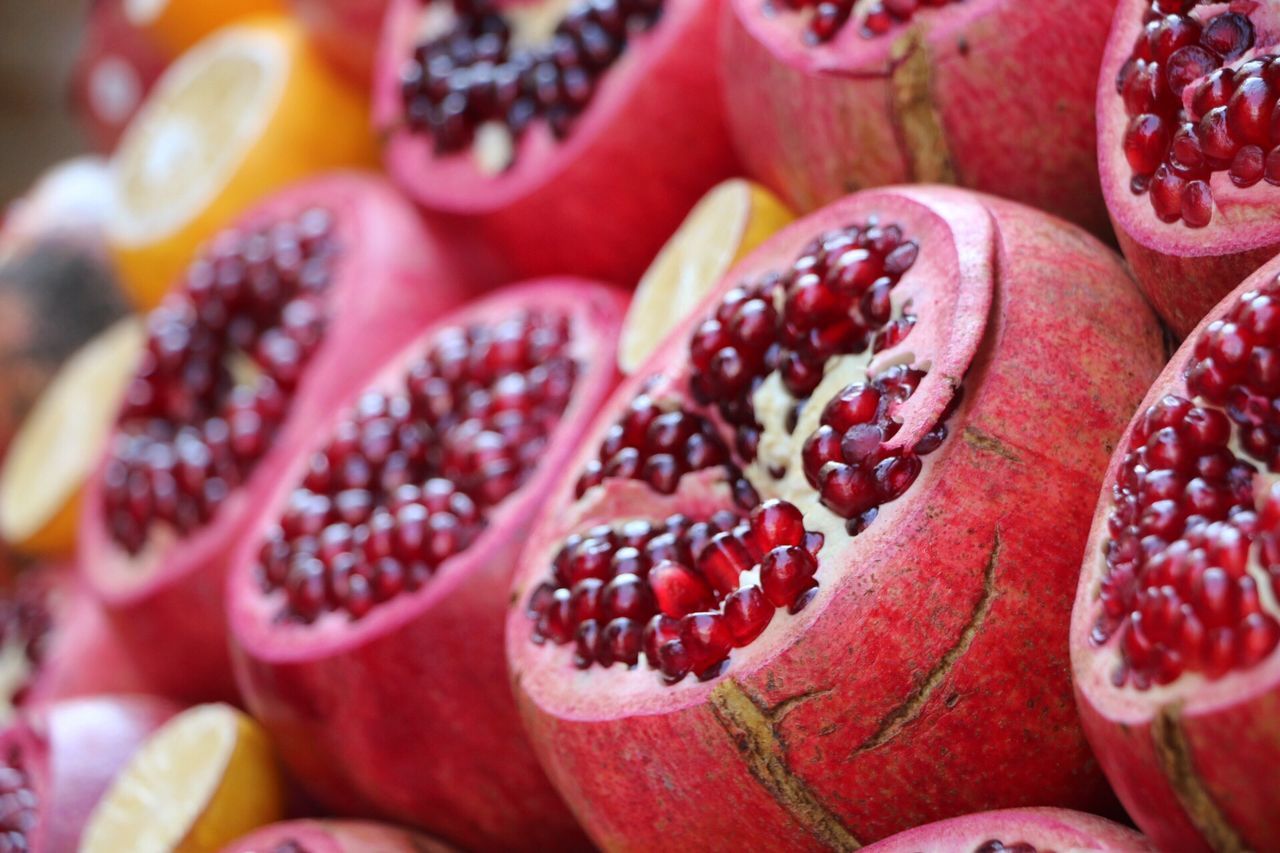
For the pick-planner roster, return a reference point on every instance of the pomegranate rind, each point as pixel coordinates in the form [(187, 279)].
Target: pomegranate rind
[(1183, 271), (1043, 829), (72, 750), (346, 32), (927, 102), (336, 836), (873, 730), (1194, 761), (431, 655), (651, 142), (389, 281)]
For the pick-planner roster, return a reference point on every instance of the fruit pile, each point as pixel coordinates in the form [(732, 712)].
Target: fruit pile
[(650, 424)]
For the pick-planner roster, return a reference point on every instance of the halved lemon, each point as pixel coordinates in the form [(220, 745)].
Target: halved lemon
[(60, 441), (176, 25), (728, 222), (204, 779), (246, 112)]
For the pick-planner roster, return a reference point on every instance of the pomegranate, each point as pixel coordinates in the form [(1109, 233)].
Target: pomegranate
[(1176, 620), (1017, 831), (376, 583), (334, 836), (346, 31), (1185, 142), (267, 329), (115, 67), (526, 119), (718, 630), (58, 761), (828, 97)]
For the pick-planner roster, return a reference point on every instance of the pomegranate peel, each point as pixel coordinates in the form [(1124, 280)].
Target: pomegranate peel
[(424, 563), (1017, 831), (964, 402), (1173, 648)]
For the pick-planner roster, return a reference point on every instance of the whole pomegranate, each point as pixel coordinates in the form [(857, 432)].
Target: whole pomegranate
[(825, 97), (265, 332), (1017, 831), (806, 581), (1187, 146), (367, 603), (525, 119), (1176, 622)]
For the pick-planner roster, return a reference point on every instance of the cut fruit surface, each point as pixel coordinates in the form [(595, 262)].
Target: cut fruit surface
[(1176, 622), (334, 836), (1017, 831), (724, 226), (718, 628), (205, 778), (247, 112), (61, 440), (176, 25)]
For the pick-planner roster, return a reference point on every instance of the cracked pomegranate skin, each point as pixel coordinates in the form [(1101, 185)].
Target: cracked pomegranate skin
[(994, 95), (1193, 758), (649, 143), (167, 604), (405, 713), (928, 675), (1186, 270)]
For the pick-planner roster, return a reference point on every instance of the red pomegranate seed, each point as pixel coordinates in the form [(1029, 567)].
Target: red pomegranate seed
[(786, 573), (723, 560), (747, 613), (706, 640), (679, 591)]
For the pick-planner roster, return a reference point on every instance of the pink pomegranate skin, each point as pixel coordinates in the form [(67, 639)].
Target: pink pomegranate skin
[(1183, 271), (652, 141), (345, 31), (389, 282), (71, 752), (406, 715), (1042, 829), (928, 678), (334, 836), (1194, 762), (931, 101)]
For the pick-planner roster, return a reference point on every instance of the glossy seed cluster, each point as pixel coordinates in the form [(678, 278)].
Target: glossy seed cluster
[(684, 593), (26, 628), (1186, 527), (409, 477), (18, 804), (1191, 114), (828, 17), (476, 72), (223, 356)]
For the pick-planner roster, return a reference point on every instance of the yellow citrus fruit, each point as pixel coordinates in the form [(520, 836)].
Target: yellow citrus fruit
[(61, 440), (204, 779), (248, 111), (727, 223)]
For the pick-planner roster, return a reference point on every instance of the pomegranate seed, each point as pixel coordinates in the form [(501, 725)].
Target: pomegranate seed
[(786, 573), (678, 591), (747, 613), (706, 640)]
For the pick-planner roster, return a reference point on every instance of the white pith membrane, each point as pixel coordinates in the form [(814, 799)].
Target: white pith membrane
[(1197, 620), (1186, 136), (431, 567), (626, 498), (204, 115)]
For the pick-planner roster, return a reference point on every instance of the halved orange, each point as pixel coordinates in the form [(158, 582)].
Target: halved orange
[(60, 441), (176, 25), (246, 112), (728, 222)]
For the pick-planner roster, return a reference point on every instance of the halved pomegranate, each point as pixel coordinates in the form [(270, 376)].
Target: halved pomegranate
[(829, 96), (808, 577), (334, 836), (264, 334), (529, 120), (1017, 831), (366, 609), (59, 760), (1176, 620), (1188, 146)]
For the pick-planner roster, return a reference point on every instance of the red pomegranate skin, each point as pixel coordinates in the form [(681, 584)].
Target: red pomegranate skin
[(995, 95), (72, 751), (650, 144), (1040, 829), (929, 678), (391, 281), (1183, 271), (115, 68), (408, 716), (1193, 762), (345, 31)]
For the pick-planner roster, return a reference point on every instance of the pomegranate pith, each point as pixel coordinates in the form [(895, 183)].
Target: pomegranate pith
[(1035, 830), (790, 573), (1176, 620), (376, 577)]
